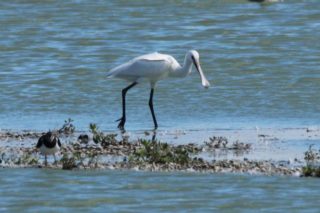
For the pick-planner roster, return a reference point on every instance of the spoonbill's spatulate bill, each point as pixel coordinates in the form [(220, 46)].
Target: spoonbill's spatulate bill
[(154, 67)]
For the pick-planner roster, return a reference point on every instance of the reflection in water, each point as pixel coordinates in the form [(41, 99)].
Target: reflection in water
[(126, 135)]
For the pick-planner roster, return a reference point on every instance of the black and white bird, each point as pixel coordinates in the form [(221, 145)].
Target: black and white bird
[(49, 144)]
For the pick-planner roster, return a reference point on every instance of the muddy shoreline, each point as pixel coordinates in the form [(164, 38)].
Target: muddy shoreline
[(122, 152)]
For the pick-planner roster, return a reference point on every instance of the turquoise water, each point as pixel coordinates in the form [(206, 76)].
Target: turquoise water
[(263, 63), (34, 190)]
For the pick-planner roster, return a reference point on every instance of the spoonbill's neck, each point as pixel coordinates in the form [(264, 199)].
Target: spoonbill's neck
[(184, 70)]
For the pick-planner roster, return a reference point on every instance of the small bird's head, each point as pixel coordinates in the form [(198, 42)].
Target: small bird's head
[(194, 56), (50, 136)]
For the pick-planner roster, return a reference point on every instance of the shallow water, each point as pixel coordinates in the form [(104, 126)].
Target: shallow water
[(35, 190), (263, 63)]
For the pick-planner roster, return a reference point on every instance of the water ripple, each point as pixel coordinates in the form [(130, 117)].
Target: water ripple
[(262, 60)]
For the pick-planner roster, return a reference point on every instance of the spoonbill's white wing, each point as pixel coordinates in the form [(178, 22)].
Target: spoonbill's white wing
[(152, 66)]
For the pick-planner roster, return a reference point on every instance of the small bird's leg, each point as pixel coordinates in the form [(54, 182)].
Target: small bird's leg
[(151, 109), (54, 157), (123, 118), (45, 160)]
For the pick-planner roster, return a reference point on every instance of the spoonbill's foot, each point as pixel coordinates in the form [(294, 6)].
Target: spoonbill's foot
[(121, 123), (154, 135)]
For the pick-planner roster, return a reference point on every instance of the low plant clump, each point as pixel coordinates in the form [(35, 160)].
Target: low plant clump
[(312, 158), (160, 153)]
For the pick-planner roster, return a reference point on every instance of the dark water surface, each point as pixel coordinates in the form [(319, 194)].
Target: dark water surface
[(37, 190), (263, 62)]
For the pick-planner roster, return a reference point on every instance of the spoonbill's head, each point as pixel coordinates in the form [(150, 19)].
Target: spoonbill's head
[(193, 55)]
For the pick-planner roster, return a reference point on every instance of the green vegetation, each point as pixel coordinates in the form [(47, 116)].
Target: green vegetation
[(100, 137), (68, 162), (67, 128), (26, 159), (309, 171), (222, 144), (77, 158), (312, 157), (17, 158), (160, 153), (216, 143)]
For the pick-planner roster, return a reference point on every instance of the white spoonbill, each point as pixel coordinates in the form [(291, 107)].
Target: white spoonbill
[(154, 67)]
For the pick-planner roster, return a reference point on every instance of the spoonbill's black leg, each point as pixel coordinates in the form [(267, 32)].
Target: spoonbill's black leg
[(154, 135), (151, 109), (123, 118)]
